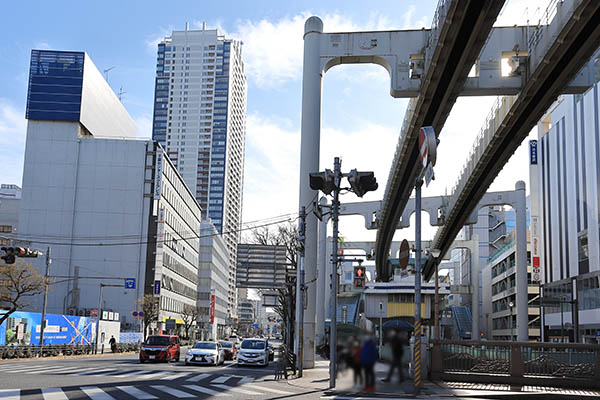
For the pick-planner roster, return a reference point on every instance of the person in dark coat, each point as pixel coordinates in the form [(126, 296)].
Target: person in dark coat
[(397, 342), (368, 357)]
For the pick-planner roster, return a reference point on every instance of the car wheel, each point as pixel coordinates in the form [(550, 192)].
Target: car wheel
[(178, 355), (141, 361), (187, 363)]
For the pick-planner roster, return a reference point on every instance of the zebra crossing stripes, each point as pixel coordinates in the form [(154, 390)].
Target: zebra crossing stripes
[(221, 379), (137, 393), (10, 394), (198, 377), (95, 393), (54, 394), (205, 390), (180, 394), (236, 389)]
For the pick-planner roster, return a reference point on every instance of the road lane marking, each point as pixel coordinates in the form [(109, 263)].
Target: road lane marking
[(246, 379), (205, 390), (235, 389), (198, 377), (52, 370), (10, 394), (94, 372), (21, 369), (221, 379), (276, 391), (173, 392), (54, 394), (129, 373), (176, 375), (136, 393), (95, 393), (152, 375)]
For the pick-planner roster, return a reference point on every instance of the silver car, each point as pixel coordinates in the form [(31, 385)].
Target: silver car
[(254, 352), (210, 353)]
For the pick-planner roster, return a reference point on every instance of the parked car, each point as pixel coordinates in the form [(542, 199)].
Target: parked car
[(254, 352), (160, 348), (205, 353), (230, 350)]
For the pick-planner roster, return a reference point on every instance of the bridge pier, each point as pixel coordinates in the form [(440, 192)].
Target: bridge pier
[(309, 162), (521, 263)]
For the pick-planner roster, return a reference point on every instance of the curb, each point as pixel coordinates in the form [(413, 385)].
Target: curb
[(8, 360)]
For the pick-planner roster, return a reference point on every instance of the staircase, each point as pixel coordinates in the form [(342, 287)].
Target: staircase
[(462, 321)]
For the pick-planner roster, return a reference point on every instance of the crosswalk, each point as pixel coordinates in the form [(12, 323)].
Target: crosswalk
[(153, 391)]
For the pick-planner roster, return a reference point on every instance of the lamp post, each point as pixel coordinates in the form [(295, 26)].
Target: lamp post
[(511, 305)]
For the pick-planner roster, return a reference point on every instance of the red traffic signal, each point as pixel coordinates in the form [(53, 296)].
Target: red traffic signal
[(359, 277)]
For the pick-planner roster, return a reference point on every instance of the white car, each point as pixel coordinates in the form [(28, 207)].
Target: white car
[(254, 352), (205, 353)]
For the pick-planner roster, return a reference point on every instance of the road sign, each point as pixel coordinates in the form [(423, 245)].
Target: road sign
[(93, 313), (134, 314), (157, 288), (141, 314), (170, 324), (404, 254), (212, 309), (427, 146), (129, 283)]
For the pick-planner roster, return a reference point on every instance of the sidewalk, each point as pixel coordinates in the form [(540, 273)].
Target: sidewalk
[(318, 379)]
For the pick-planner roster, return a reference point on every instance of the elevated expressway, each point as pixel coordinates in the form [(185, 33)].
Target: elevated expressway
[(557, 52), (461, 33), (549, 61)]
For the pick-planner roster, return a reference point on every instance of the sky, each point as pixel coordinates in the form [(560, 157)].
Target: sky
[(361, 122)]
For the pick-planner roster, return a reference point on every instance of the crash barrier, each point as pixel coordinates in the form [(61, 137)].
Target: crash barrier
[(286, 364), (11, 352), (572, 365)]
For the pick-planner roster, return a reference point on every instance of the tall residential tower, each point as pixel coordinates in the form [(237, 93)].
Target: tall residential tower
[(200, 118)]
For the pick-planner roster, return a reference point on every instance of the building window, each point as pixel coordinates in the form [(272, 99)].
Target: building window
[(583, 254), (5, 228)]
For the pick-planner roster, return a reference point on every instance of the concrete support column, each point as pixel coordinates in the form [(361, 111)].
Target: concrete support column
[(521, 263), (475, 327), (309, 162), (322, 274)]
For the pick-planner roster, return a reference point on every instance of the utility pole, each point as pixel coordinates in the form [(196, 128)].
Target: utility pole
[(417, 340), (335, 207), (46, 277), (301, 286), (102, 286)]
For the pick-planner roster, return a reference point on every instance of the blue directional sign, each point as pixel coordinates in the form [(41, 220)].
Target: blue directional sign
[(129, 283)]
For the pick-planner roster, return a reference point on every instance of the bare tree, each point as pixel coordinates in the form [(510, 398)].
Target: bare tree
[(283, 235), (149, 305), (18, 283), (189, 315)]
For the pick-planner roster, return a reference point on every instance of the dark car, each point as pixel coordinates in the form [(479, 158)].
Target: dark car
[(271, 352), (160, 348), (230, 350)]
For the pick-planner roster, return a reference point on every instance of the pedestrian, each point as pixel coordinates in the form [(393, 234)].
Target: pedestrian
[(368, 357), (113, 344), (397, 343), (355, 350)]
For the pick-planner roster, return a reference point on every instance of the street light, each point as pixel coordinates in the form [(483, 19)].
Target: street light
[(511, 305)]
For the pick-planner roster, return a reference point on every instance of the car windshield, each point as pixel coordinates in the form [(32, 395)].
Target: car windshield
[(227, 345), (253, 344), (204, 345), (158, 341)]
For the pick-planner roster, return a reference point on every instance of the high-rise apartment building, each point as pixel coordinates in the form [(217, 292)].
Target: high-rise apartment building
[(200, 118)]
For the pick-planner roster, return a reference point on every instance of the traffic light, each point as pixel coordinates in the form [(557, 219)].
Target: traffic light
[(359, 277), (362, 182), (11, 252), (323, 181)]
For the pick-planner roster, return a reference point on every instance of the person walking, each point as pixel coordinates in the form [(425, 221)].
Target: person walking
[(368, 357), (397, 343), (355, 363), (113, 344)]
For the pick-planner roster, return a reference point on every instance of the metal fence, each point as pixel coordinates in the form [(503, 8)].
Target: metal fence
[(11, 352), (570, 364)]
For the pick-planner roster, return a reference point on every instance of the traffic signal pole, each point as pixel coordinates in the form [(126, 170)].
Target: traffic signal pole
[(302, 292), (417, 339), (46, 277), (335, 209)]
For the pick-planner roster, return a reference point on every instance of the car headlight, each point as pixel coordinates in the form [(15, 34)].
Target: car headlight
[(189, 352)]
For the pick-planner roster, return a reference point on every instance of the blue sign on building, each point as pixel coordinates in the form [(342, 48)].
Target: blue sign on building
[(129, 283), (533, 155), (157, 288)]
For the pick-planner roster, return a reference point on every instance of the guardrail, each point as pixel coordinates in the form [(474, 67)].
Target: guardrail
[(526, 363), (12, 352)]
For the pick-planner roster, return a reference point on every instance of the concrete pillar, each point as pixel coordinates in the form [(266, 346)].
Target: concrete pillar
[(309, 162), (321, 273), (521, 263), (475, 327)]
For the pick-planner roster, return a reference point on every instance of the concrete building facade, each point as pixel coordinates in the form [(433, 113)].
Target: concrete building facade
[(107, 204), (10, 199), (213, 273), (565, 176), (200, 118)]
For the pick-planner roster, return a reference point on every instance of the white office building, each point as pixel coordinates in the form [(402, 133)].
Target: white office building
[(110, 207), (200, 118), (565, 192), (213, 284)]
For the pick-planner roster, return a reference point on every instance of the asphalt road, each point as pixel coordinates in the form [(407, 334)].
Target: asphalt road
[(121, 376)]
